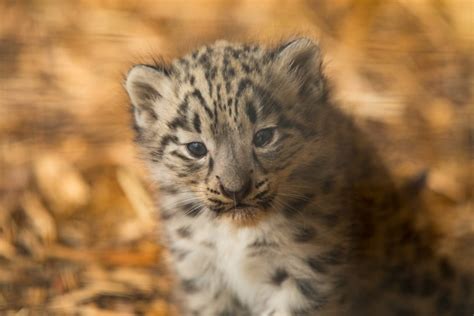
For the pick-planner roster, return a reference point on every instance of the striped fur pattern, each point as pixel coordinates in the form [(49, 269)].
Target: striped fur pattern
[(268, 193)]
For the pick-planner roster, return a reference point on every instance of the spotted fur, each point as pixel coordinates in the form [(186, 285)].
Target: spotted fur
[(288, 228)]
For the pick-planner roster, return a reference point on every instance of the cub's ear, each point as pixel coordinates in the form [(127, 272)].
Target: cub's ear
[(298, 56), (300, 61), (146, 86)]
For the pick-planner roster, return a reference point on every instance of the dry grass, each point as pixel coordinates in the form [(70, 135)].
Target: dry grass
[(76, 228)]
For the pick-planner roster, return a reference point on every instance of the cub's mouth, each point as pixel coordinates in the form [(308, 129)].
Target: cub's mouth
[(245, 215), (241, 206), (247, 212)]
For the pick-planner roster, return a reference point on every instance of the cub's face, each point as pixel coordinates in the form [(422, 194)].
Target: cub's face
[(228, 124)]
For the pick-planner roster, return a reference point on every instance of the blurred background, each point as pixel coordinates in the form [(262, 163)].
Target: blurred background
[(77, 229)]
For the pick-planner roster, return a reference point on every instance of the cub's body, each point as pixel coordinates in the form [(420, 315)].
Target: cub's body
[(271, 199)]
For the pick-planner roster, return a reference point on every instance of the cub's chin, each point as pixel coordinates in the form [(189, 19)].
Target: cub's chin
[(245, 215)]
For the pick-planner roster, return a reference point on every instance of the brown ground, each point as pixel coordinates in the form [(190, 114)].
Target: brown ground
[(76, 228)]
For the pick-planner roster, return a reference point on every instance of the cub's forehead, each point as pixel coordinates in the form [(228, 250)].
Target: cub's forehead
[(216, 81), (222, 61)]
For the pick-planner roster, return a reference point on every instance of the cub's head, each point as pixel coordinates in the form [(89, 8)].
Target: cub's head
[(228, 125)]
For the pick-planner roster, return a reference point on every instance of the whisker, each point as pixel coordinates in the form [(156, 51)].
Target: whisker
[(287, 206), (180, 202), (193, 209)]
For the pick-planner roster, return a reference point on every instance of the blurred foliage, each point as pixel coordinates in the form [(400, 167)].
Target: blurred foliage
[(76, 216)]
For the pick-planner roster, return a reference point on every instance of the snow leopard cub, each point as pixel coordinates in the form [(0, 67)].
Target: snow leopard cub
[(268, 194)]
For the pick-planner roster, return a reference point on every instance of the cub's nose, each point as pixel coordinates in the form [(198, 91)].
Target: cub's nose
[(238, 195)]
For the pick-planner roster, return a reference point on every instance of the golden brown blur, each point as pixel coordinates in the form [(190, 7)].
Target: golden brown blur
[(77, 229)]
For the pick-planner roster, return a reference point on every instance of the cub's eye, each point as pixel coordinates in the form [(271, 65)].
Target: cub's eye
[(263, 137), (196, 149)]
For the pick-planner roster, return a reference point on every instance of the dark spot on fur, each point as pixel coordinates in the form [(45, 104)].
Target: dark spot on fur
[(230, 73), (179, 253), (178, 122), (183, 107), (230, 101), (166, 214), (197, 94), (228, 87), (334, 256), (243, 85), (261, 194), (259, 243), (316, 265), (189, 286), (197, 123), (204, 61), (259, 184), (279, 276), (210, 167), (180, 156), (306, 288), (165, 141), (260, 246), (168, 189), (184, 232), (304, 234), (251, 113)]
